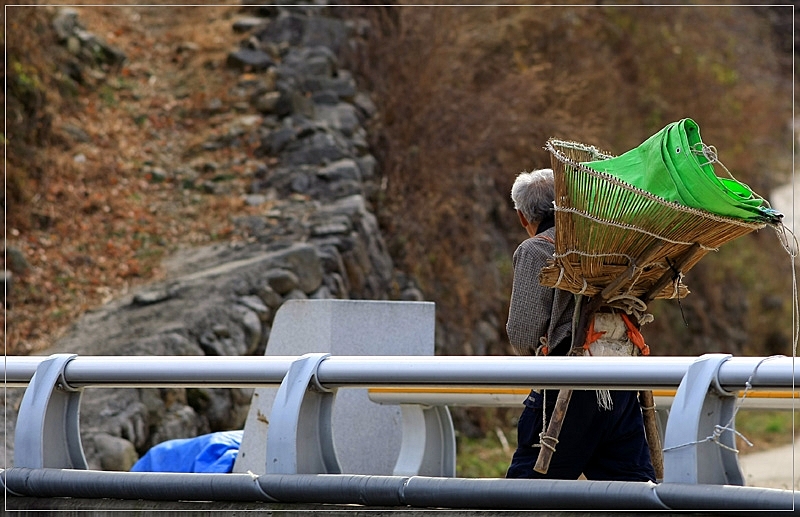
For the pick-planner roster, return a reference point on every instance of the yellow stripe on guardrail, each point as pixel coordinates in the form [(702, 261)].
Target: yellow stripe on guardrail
[(502, 396)]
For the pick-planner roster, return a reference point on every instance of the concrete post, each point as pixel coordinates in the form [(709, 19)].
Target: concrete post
[(367, 436)]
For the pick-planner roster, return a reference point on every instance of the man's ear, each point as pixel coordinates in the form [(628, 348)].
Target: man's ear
[(522, 219)]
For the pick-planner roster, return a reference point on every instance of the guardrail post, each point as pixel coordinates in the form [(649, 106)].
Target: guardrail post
[(699, 443), (429, 442), (300, 438), (47, 434)]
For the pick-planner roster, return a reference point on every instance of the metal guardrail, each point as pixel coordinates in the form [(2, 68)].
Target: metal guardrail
[(628, 373), (699, 442), (377, 493)]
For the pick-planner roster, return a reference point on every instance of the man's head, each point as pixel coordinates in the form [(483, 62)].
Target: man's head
[(533, 194)]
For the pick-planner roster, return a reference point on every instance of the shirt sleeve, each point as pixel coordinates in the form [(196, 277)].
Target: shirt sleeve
[(531, 303)]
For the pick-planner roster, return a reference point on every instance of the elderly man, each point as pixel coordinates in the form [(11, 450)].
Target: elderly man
[(600, 441)]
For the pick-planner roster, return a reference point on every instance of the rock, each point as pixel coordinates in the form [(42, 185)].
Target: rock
[(255, 60), (325, 97), (341, 227), (224, 409), (255, 304), (320, 148), (305, 263), (330, 259), (317, 61), (286, 28), (16, 261), (326, 32), (364, 103), (342, 84), (180, 421), (223, 334), (367, 164), (343, 169), (76, 133), (282, 280), (345, 188), (295, 294), (248, 24), (250, 322), (82, 42), (115, 453), (323, 293), (337, 285), (340, 117), (250, 225), (255, 199), (268, 295), (65, 23), (276, 141), (269, 102), (151, 297), (412, 294)]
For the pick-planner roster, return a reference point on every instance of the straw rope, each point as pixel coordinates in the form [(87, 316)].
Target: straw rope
[(709, 152), (791, 248)]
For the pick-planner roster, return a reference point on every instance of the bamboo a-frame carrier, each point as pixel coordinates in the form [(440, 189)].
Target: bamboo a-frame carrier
[(605, 226), (614, 240)]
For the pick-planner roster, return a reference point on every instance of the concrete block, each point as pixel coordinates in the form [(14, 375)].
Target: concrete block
[(367, 436)]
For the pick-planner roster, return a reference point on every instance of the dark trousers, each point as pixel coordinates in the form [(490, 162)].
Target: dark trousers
[(601, 444)]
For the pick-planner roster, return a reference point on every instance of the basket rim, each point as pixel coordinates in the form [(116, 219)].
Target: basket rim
[(550, 147)]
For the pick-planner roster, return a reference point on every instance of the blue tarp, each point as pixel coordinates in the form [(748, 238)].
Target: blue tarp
[(213, 452)]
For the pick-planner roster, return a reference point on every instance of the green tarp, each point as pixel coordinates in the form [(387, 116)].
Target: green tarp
[(672, 165)]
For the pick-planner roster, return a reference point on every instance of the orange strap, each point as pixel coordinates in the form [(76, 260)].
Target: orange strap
[(633, 334), (591, 335)]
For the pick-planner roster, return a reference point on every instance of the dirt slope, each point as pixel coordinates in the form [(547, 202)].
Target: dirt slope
[(111, 204)]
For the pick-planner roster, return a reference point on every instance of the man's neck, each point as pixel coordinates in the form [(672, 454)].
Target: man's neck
[(545, 224)]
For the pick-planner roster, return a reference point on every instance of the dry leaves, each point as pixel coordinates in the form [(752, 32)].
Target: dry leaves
[(115, 202)]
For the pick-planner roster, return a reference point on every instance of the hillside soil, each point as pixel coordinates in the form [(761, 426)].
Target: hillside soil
[(108, 209)]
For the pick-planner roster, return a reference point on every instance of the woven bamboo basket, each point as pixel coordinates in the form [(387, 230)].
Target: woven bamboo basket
[(604, 228)]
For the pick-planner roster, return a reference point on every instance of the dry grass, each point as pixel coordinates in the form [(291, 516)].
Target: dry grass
[(470, 95)]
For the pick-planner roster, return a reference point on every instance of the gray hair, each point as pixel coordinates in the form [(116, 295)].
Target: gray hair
[(533, 194)]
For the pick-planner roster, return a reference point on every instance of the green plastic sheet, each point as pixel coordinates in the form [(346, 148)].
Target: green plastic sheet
[(675, 165)]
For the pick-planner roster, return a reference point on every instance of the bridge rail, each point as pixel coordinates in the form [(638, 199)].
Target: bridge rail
[(699, 435)]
